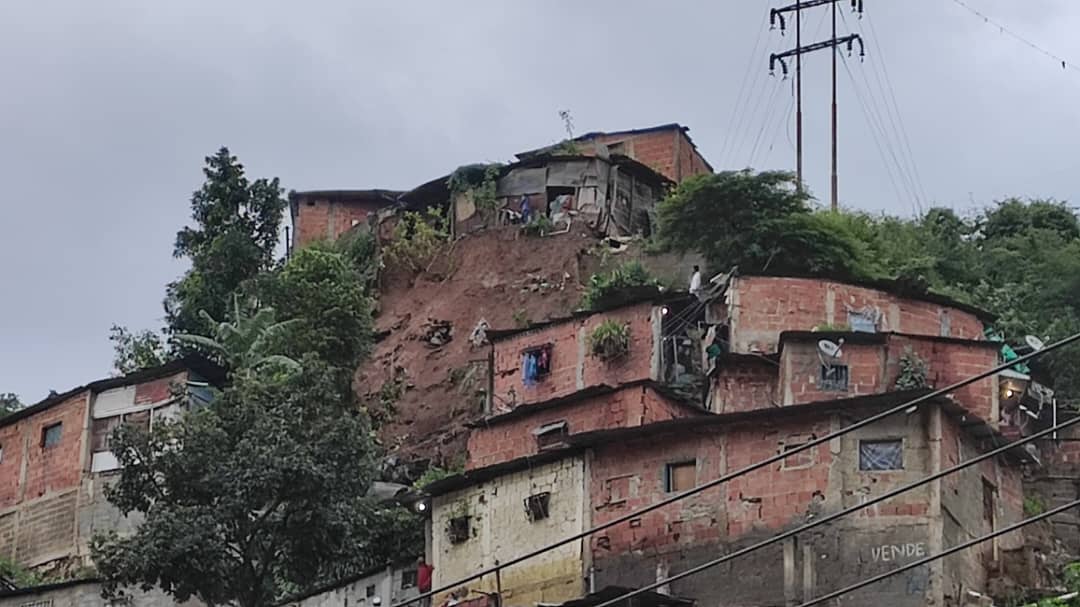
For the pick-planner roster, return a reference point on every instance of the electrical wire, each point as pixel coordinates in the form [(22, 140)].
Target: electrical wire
[(929, 559), (842, 513), (759, 87), (873, 132), (1065, 64), (896, 107), (742, 88), (765, 120), (746, 469)]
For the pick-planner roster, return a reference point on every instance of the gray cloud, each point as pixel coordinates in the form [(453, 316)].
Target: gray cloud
[(108, 109)]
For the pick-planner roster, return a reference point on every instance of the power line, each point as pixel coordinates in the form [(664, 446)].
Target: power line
[(746, 469), (874, 134), (742, 88), (929, 559), (896, 106), (842, 513), (1065, 64)]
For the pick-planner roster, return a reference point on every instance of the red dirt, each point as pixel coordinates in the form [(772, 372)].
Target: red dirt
[(485, 276)]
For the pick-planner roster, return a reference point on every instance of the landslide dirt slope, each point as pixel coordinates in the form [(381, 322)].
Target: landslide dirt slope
[(497, 275)]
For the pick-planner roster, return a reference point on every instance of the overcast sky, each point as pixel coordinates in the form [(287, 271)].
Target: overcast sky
[(108, 108)]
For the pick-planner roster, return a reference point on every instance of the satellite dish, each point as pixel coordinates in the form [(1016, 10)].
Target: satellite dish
[(828, 348), (1034, 342)]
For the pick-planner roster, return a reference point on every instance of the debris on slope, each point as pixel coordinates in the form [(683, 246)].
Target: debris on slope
[(495, 278)]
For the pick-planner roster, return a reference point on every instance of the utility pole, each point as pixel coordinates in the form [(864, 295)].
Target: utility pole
[(832, 43), (834, 204)]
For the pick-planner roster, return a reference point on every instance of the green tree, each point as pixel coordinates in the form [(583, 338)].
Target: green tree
[(260, 493), (236, 229), (322, 294), (134, 351), (758, 221), (9, 403), (243, 343)]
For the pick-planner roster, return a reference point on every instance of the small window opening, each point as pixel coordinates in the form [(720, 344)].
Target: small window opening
[(535, 364), (878, 455), (551, 435), (564, 196), (862, 322), (946, 324), (369, 591), (50, 435), (833, 378), (988, 493), (457, 529), (797, 460), (680, 476), (536, 506), (408, 580), (1, 453)]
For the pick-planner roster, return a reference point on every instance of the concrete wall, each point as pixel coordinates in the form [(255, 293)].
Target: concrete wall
[(85, 594), (966, 515), (762, 307), (513, 438), (385, 584), (629, 475), (500, 530), (39, 485), (573, 368)]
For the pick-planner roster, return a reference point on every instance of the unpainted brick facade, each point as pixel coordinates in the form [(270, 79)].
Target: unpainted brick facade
[(40, 472), (669, 151), (573, 367), (632, 405), (621, 475), (759, 308), (323, 218)]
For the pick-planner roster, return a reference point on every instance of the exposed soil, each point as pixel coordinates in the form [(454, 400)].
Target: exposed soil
[(499, 276)]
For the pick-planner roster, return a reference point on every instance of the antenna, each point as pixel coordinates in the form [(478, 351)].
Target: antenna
[(1034, 343), (829, 349)]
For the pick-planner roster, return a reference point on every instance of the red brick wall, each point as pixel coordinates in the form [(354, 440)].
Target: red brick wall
[(631, 406), (801, 369), (158, 390), (766, 306), (324, 220), (743, 386), (49, 469), (668, 152), (572, 367), (950, 362)]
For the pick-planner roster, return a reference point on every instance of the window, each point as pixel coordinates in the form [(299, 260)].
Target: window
[(50, 435), (878, 455), (833, 378), (799, 460), (457, 529), (862, 322), (408, 580), (1, 453), (946, 324), (536, 506), (369, 591), (680, 476), (551, 435), (535, 364)]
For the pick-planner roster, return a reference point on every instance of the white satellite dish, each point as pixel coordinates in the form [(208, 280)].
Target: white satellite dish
[(1034, 342), (828, 348)]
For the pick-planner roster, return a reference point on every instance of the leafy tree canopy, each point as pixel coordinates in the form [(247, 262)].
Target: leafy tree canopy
[(134, 351), (9, 403), (233, 239)]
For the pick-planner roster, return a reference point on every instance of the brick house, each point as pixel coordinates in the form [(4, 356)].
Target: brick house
[(55, 462), (667, 149), (327, 214), (591, 441)]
